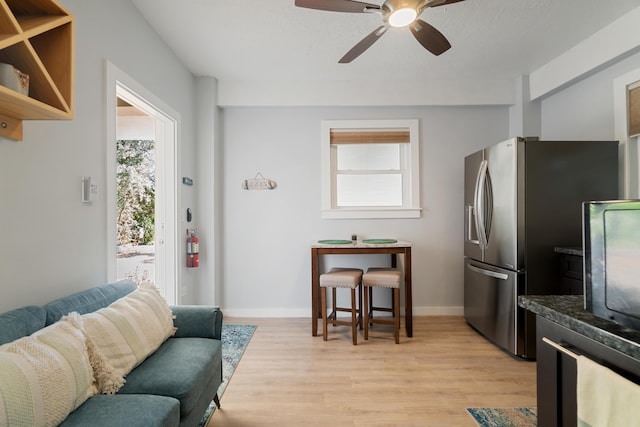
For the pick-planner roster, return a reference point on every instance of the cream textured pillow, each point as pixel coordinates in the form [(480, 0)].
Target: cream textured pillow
[(44, 377), (108, 380), (130, 329)]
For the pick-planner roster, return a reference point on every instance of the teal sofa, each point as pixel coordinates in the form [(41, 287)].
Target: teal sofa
[(172, 387)]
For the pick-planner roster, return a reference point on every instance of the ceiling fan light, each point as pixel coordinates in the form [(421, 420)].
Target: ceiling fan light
[(402, 17)]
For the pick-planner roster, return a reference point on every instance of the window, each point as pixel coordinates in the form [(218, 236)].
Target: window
[(370, 169), (627, 129), (634, 109)]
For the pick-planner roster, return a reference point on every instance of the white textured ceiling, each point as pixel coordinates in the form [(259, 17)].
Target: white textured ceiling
[(272, 40)]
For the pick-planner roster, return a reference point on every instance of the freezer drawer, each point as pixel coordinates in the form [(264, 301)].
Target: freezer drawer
[(491, 304)]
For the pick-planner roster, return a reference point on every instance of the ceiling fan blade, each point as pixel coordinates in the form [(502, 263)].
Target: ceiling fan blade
[(436, 3), (363, 45), (432, 40), (338, 5)]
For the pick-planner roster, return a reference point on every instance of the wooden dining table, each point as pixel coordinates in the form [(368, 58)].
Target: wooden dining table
[(319, 249)]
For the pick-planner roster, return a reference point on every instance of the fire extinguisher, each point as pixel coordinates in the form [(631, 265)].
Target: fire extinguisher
[(193, 249)]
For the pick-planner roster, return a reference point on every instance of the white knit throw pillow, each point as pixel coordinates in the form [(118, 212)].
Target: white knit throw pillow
[(44, 377)]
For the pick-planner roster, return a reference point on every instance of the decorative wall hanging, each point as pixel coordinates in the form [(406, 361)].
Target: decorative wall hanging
[(259, 182)]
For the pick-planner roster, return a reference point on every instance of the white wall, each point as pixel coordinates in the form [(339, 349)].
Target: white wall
[(605, 47), (266, 259), (50, 243), (208, 185), (267, 234), (585, 110)]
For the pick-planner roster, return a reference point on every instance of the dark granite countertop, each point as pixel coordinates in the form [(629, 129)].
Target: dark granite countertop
[(572, 250), (568, 311)]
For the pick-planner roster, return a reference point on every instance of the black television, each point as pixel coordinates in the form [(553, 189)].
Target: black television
[(611, 244)]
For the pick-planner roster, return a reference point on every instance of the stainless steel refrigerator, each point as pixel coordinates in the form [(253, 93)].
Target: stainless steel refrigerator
[(522, 198)]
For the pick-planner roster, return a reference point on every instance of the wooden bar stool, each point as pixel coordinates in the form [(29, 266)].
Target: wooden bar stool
[(382, 278), (341, 278)]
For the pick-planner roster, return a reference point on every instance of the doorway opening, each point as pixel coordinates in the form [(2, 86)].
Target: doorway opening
[(141, 186), (136, 191)]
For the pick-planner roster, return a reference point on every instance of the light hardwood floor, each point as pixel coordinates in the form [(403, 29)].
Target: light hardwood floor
[(289, 378)]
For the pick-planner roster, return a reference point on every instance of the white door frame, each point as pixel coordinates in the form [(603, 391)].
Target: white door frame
[(120, 85)]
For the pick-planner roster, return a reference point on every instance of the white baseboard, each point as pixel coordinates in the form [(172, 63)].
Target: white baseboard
[(297, 312), (438, 311), (266, 312)]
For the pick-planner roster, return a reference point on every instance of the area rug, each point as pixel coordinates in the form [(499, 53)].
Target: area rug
[(235, 339), (504, 417)]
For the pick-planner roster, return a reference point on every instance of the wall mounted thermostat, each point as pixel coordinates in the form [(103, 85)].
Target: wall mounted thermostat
[(89, 189)]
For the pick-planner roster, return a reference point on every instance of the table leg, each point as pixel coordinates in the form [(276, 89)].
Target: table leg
[(315, 291), (408, 317)]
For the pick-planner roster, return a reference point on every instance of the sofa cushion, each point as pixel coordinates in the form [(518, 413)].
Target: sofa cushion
[(116, 290), (125, 410), (197, 321), (45, 376), (89, 300), (21, 322), (131, 328), (181, 368)]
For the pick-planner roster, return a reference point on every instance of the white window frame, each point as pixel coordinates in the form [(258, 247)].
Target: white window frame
[(629, 146), (411, 187)]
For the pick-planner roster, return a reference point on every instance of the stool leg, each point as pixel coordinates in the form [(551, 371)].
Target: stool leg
[(354, 325), (366, 312), (323, 297), (393, 301), (334, 305), (360, 302), (370, 305), (396, 313)]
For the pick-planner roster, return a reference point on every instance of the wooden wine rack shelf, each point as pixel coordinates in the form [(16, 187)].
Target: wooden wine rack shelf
[(36, 37)]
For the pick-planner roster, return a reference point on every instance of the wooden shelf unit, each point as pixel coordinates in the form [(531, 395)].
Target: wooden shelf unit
[(36, 37)]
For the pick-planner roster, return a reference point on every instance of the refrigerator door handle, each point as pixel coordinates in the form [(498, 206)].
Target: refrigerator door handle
[(478, 204), (494, 274)]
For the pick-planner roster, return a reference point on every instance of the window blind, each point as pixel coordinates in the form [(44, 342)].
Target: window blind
[(392, 136), (634, 109)]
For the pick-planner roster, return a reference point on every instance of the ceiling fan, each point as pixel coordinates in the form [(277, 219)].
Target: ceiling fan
[(395, 13)]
